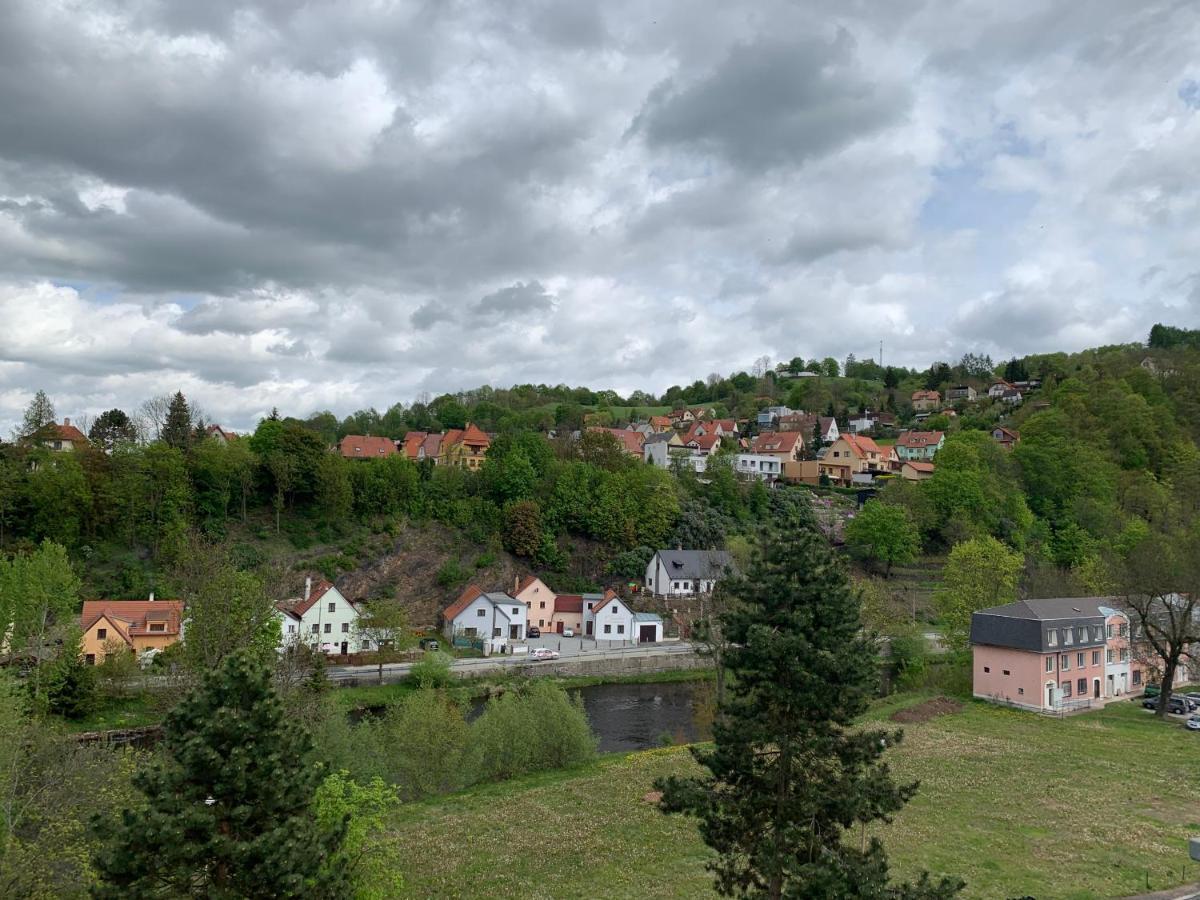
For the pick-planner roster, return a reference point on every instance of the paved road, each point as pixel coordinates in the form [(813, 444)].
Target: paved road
[(573, 648)]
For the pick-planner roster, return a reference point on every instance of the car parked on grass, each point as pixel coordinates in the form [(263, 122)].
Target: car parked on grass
[(1176, 706), (534, 631), (540, 653), (1193, 723)]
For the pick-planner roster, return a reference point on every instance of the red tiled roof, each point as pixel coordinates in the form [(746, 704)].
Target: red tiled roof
[(470, 436), (412, 443), (918, 439), (920, 466), (524, 583), (703, 441), (777, 442), (130, 617), (860, 445), (298, 606), (66, 432), (660, 421), (218, 431), (359, 446), (568, 603), (1013, 435), (926, 395), (465, 599)]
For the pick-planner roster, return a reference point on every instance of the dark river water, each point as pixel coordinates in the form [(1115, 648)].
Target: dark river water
[(639, 716)]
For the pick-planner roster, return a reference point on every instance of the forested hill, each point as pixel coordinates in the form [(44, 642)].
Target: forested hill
[(1107, 460)]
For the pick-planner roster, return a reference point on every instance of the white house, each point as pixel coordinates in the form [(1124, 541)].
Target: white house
[(322, 619), (765, 467), (496, 618), (648, 627), (608, 617), (686, 572)]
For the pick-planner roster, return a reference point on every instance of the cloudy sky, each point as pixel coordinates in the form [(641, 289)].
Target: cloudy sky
[(322, 204)]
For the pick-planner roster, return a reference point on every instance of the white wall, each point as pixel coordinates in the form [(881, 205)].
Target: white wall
[(619, 623), (332, 628)]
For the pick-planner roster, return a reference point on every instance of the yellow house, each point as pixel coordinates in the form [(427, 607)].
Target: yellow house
[(466, 447), (135, 625), (852, 455)]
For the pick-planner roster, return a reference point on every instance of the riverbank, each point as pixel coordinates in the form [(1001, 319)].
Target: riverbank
[(1097, 805)]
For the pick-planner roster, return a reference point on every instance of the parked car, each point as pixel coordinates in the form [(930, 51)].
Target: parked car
[(1177, 706), (1150, 690), (539, 653), (1193, 723), (568, 632), (534, 631), (429, 644), (1194, 696)]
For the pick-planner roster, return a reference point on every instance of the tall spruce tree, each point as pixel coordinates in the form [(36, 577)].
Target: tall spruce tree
[(228, 810), (790, 774), (38, 414), (177, 429)]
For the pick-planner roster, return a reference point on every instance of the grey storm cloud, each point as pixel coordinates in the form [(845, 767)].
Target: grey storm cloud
[(320, 204)]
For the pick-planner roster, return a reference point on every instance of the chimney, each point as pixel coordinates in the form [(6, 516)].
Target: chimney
[(307, 586), (152, 596), (66, 422), (516, 584)]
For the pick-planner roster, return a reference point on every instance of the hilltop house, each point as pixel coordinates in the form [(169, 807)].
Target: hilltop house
[(853, 455), (136, 625), (631, 441), (1005, 437), (421, 445), (659, 448), (686, 572), (1047, 654), (494, 618), (805, 424), (62, 438), (763, 466), (919, 445), (463, 447), (218, 433), (769, 417), (365, 446), (960, 392), (322, 619), (703, 445), (660, 424), (784, 446), (924, 401)]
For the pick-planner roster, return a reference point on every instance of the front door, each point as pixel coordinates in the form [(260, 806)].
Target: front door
[(1110, 686), (646, 634), (559, 628), (589, 627), (345, 648), (1096, 688)]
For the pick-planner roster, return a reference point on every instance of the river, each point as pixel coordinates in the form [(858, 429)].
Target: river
[(629, 717)]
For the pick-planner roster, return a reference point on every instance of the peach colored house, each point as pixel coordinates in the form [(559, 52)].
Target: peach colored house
[(137, 625), (539, 599), (850, 455), (1053, 653), (464, 447)]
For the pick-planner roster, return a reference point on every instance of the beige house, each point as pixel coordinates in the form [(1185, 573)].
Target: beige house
[(916, 471), (850, 455), (924, 401)]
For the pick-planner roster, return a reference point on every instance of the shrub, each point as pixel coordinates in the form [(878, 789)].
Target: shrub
[(432, 671), (427, 747), (536, 727), (451, 573)]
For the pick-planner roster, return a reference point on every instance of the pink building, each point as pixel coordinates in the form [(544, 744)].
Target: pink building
[(1052, 653)]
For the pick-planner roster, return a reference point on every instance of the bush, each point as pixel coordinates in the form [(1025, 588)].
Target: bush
[(533, 728), (451, 574), (427, 747), (485, 559), (432, 671), (363, 852)]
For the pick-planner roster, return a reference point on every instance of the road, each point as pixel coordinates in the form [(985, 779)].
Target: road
[(573, 648)]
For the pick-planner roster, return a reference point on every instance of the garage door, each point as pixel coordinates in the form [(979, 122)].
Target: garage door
[(646, 634)]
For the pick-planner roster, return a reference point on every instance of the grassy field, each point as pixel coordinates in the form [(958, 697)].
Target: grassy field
[(1099, 805)]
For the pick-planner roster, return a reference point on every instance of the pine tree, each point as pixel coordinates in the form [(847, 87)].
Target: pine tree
[(790, 773), (177, 429), (38, 415), (111, 428), (228, 810)]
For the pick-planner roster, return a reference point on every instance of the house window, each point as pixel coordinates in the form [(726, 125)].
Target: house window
[(90, 659), (620, 629), (1080, 660), (1049, 663), (481, 613), (516, 611), (1006, 672), (345, 628), (541, 623), (1137, 676), (542, 605), (1068, 637), (1066, 689), (328, 627), (366, 645), (987, 668), (1052, 638), (1124, 654), (316, 629), (101, 633), (1083, 634), (1020, 690), (1064, 664), (1123, 630), (1082, 686), (608, 629), (495, 632), (1108, 630), (614, 609), (589, 606), (333, 607), (1095, 657), (291, 629), (1108, 656)]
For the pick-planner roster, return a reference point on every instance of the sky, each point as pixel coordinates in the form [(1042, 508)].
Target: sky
[(326, 205)]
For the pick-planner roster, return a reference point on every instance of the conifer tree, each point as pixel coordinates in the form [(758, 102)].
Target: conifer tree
[(790, 773), (228, 810), (38, 415), (177, 429)]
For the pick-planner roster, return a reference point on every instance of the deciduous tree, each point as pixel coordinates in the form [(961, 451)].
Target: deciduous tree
[(884, 533), (979, 573)]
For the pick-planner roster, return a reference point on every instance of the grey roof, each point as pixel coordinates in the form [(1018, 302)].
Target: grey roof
[(1022, 625), (647, 617), (592, 596), (695, 563), (660, 437)]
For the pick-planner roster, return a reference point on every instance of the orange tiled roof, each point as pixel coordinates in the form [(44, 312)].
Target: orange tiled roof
[(777, 442), (132, 617), (299, 606), (568, 603), (365, 446), (918, 439), (465, 599), (860, 445)]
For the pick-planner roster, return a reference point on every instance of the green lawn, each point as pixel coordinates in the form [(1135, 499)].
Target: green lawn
[(1094, 806)]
